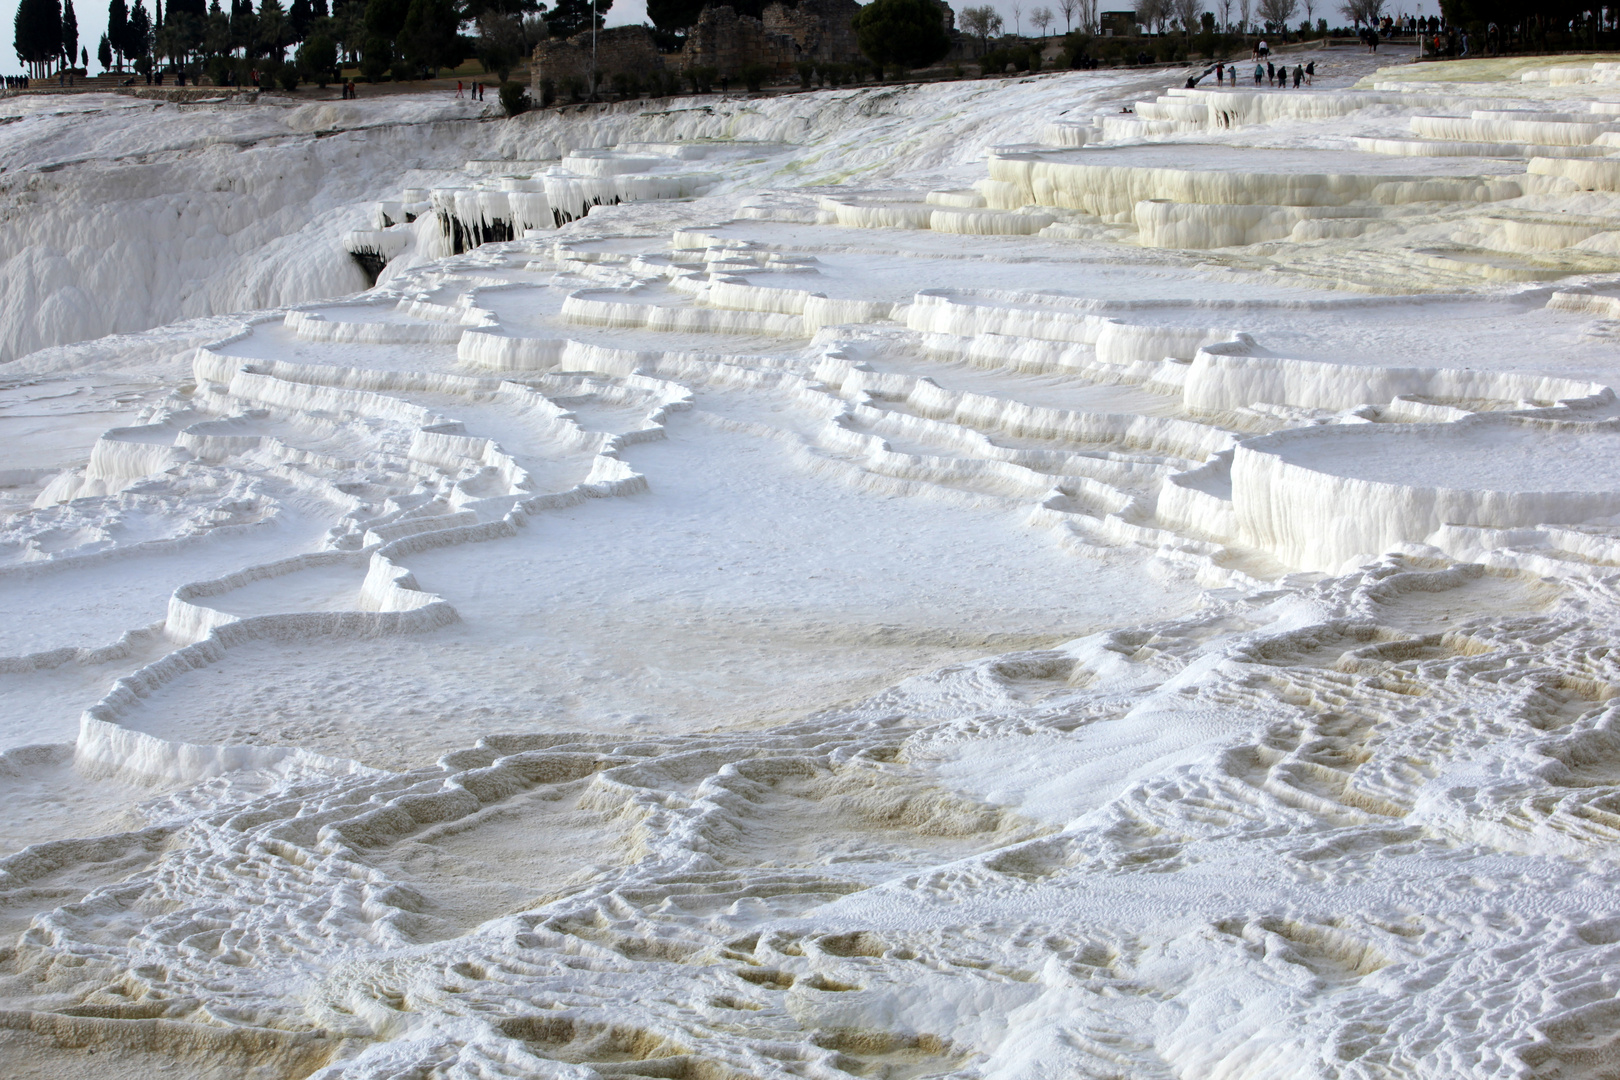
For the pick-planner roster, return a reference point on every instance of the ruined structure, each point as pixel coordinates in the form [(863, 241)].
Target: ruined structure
[(619, 50), (821, 31), (728, 42)]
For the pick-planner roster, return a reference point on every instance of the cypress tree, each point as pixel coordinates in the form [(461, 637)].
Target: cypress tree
[(38, 37), (104, 54), (118, 30), (23, 31), (70, 33), (140, 30)]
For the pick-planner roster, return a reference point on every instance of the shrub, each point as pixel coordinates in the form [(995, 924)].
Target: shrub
[(702, 78), (753, 76), (514, 98), (288, 77)]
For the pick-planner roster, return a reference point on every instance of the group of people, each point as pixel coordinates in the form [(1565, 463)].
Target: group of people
[(16, 82), (1272, 73), (1370, 38), (475, 91), (1278, 76), (349, 92)]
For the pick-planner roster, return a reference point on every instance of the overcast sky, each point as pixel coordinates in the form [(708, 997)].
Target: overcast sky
[(92, 15)]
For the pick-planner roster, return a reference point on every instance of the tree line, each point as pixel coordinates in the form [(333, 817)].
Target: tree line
[(47, 35), (403, 39)]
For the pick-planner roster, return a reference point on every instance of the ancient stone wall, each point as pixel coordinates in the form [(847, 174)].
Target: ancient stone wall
[(728, 42), (626, 49), (821, 30)]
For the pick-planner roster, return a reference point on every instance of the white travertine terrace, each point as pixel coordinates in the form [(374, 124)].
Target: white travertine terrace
[(933, 581)]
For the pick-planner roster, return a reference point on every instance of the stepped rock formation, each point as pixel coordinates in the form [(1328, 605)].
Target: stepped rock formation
[(951, 581)]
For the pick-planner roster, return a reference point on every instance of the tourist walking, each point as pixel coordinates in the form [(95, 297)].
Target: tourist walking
[(1259, 73), (1299, 75)]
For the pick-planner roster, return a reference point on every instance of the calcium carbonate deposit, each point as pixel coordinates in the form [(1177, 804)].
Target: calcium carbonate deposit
[(1033, 578)]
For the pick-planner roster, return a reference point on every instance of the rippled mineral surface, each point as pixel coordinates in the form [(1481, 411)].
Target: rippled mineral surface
[(1042, 577)]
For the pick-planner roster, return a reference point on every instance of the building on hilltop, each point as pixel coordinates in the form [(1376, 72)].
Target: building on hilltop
[(1117, 23)]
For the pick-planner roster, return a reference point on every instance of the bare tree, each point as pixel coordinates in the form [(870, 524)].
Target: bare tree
[(1363, 11), (1041, 17), (1068, 7), (1243, 16), (981, 22), (1149, 12), (1186, 12), (1018, 20), (1278, 12), (1226, 15), (1310, 8)]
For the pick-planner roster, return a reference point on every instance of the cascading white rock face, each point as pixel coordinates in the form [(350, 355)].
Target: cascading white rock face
[(905, 581)]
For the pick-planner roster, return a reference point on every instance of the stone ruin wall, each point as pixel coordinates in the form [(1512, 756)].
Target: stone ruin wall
[(822, 30), (728, 42), (619, 49)]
